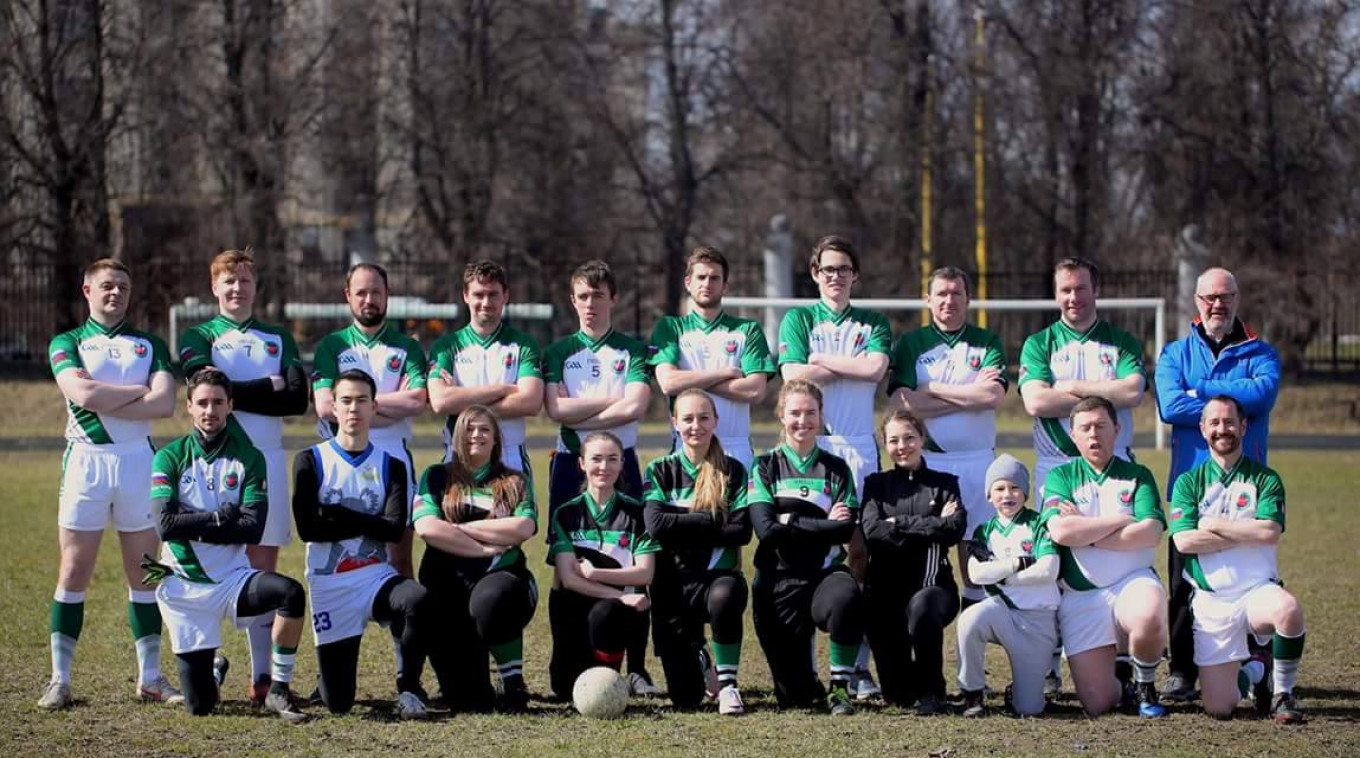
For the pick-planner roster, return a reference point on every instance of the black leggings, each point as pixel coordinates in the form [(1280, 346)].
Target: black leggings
[(680, 607), (475, 613), (906, 634), (1181, 616), (264, 592), (587, 632), (404, 605), (788, 610)]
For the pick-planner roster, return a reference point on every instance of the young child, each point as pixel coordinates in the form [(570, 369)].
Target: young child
[(1013, 558)]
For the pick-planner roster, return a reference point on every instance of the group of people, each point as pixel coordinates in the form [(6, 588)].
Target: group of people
[(860, 554)]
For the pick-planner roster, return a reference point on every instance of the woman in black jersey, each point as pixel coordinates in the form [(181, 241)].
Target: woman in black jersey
[(603, 560), (473, 514), (695, 507), (804, 509), (912, 516)]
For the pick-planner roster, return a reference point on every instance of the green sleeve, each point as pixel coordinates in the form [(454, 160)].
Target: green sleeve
[(164, 473), (643, 544), (1270, 498), (64, 353), (325, 367), (195, 351), (1043, 544), (880, 334), (290, 356), (995, 357), (1130, 357), (254, 488), (416, 377), (1147, 501), (793, 337), (902, 365), (758, 489), (652, 491), (981, 531), (1057, 488), (160, 355), (529, 359), (1034, 360), (428, 493), (845, 490), (561, 540), (738, 488), (527, 507), (637, 363), (553, 359), (1185, 502), (441, 355), (664, 347), (755, 359)]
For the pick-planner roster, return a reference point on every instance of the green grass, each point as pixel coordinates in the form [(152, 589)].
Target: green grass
[(1318, 558)]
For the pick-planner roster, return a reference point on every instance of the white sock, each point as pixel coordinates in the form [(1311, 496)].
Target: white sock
[(64, 646), (862, 660), (1143, 672), (259, 633), (148, 647)]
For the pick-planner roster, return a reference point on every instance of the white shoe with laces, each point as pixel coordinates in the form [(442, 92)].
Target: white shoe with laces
[(160, 691), (641, 686), (863, 688), (729, 701), (55, 697), (411, 708)]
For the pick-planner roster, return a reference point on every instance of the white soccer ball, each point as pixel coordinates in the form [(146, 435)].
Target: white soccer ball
[(600, 693)]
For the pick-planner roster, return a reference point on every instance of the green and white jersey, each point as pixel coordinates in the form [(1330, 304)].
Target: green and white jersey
[(359, 482), (1247, 491), (690, 343), (595, 369), (669, 484), (202, 482), (806, 487), (481, 502), (1101, 353), (610, 536), (930, 355), (1021, 537), (503, 357), (1122, 488), (848, 404), (394, 360), (120, 355), (244, 352)]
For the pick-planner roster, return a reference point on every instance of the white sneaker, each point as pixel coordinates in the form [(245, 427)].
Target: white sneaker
[(729, 701), (55, 697), (863, 688), (641, 686), (411, 708), (160, 691)]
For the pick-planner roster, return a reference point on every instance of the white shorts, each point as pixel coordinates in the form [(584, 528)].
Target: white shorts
[(1221, 626), (1086, 617), (860, 451), (971, 470), (278, 524), (100, 483), (194, 612), (342, 604)]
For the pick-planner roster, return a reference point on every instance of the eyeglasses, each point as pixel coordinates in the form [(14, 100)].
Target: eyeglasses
[(830, 271), (1225, 298)]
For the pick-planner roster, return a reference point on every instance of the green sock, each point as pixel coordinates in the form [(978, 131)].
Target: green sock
[(843, 662), (145, 620), (68, 617), (509, 658), (726, 658)]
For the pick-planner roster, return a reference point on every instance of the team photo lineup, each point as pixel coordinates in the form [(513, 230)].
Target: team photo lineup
[(1058, 564)]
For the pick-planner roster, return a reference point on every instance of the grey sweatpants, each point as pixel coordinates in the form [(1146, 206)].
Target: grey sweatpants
[(1029, 638)]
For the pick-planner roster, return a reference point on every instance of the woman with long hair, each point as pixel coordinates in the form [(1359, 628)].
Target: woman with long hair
[(695, 506), (474, 513)]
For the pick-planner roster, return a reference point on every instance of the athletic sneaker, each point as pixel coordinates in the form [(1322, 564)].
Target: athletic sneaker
[(862, 686), (1052, 686), (514, 695), (55, 697), (729, 701), (283, 702), (220, 668), (1148, 707), (838, 702), (160, 691), (640, 684), (259, 691), (711, 686), (973, 705), (411, 708), (931, 705), (1286, 709), (1178, 689)]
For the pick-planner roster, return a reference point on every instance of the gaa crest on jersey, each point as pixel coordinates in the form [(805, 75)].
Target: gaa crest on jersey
[(1125, 497), (620, 365), (859, 341), (230, 481), (731, 347), (1242, 500), (975, 362), (394, 363), (271, 347), (139, 349), (1027, 547), (509, 360)]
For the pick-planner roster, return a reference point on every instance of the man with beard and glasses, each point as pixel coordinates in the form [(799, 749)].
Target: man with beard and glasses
[(1220, 356), (1227, 515)]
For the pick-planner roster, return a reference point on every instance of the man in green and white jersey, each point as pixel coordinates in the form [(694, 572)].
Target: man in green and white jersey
[(268, 383), (1227, 515), (488, 363), (396, 364), (1105, 515), (714, 351), (952, 375), (1079, 356), (211, 500), (115, 380)]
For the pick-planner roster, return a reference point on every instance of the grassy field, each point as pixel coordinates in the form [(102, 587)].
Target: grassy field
[(1319, 557)]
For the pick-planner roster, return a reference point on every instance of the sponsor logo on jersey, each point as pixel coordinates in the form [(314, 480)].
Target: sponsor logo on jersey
[(271, 347), (90, 347), (731, 347), (59, 356), (139, 349), (1242, 500), (353, 562), (620, 365), (187, 480), (394, 363), (348, 359), (230, 481)]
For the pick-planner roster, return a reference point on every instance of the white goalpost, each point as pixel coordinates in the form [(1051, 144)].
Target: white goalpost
[(774, 308)]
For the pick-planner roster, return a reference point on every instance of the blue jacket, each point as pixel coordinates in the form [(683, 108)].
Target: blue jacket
[(1247, 371)]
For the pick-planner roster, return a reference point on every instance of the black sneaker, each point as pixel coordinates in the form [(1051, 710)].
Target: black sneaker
[(1286, 710), (930, 705), (314, 699), (220, 668), (973, 705), (514, 695), (838, 701), (1261, 691), (1177, 689)]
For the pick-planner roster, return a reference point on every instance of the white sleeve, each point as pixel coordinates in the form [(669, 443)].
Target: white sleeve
[(989, 572), (1044, 571)]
